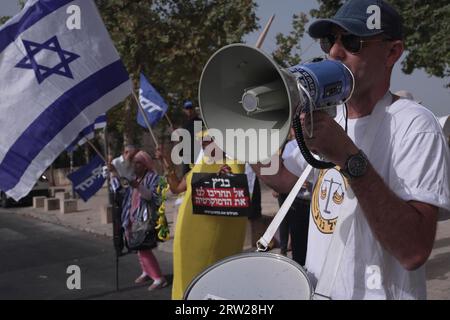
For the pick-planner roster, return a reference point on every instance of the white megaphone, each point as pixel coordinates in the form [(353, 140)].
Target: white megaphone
[(243, 93)]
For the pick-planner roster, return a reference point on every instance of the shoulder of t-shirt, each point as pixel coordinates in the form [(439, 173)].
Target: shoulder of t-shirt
[(117, 161), (410, 118), (289, 148)]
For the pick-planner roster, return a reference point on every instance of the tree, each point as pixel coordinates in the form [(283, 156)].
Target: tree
[(170, 41), (426, 27), (289, 49), (6, 18), (3, 19)]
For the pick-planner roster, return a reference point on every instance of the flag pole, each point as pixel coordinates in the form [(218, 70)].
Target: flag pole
[(144, 115), (168, 120), (111, 202), (263, 34), (96, 150)]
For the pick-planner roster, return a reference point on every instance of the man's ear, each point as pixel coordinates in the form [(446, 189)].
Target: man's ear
[(395, 52)]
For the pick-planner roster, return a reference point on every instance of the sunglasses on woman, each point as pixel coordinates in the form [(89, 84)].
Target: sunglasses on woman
[(351, 43)]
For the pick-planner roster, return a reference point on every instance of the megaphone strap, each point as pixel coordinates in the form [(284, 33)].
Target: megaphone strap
[(263, 243)]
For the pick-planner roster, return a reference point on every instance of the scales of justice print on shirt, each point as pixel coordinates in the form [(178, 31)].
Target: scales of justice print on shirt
[(327, 199)]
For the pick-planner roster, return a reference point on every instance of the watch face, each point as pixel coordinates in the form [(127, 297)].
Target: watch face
[(357, 165)]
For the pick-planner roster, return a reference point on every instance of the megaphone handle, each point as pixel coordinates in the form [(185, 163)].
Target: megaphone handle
[(263, 243), (304, 150)]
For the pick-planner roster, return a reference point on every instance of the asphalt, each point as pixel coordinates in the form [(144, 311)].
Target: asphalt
[(35, 257)]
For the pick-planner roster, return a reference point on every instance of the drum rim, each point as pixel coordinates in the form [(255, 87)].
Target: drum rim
[(249, 254)]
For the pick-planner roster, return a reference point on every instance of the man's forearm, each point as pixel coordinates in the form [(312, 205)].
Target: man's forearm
[(282, 182), (405, 232), (174, 183)]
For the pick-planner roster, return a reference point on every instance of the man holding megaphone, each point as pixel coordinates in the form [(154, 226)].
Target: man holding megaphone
[(382, 164), (392, 161)]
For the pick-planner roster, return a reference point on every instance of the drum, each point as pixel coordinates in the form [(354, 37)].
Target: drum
[(252, 276)]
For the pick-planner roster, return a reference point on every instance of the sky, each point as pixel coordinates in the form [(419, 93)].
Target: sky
[(430, 91)]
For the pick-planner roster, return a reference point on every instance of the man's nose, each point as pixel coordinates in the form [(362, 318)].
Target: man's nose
[(337, 51)]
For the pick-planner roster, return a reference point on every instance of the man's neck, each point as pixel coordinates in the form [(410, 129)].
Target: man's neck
[(361, 105)]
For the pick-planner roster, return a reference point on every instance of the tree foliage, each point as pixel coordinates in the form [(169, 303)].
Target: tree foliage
[(170, 41), (427, 29), (3, 19), (288, 46)]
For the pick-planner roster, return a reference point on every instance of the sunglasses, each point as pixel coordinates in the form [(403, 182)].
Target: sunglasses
[(351, 43)]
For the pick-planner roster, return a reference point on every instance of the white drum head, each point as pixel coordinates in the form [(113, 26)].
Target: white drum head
[(252, 276)]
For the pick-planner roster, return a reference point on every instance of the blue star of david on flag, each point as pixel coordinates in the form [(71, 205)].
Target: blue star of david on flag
[(43, 72), (59, 80)]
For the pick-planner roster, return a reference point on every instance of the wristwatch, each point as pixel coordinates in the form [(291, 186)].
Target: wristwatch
[(355, 166)]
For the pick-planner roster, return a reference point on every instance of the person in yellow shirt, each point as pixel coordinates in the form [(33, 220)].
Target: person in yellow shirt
[(202, 240)]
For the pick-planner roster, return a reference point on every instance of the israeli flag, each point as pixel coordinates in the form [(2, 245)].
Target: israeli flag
[(152, 102), (87, 133), (59, 72), (100, 122), (89, 179)]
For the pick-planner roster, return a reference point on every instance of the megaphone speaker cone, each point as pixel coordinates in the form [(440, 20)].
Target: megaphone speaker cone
[(250, 101), (243, 90)]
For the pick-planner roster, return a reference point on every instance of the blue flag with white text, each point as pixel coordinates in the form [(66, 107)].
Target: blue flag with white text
[(59, 71), (152, 102), (88, 180)]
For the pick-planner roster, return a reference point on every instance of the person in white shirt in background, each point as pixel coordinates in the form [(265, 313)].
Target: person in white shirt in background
[(121, 166), (296, 222)]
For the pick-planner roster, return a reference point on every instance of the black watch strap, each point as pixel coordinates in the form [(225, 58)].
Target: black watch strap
[(355, 166)]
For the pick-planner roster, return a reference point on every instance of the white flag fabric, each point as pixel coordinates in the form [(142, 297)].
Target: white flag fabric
[(56, 79)]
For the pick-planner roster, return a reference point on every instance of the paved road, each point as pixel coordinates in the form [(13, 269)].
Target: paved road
[(34, 257)]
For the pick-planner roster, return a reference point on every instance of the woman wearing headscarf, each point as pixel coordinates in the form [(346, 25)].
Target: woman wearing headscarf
[(140, 198)]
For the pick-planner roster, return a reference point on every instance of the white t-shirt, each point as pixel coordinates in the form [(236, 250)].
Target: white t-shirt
[(124, 168), (412, 157)]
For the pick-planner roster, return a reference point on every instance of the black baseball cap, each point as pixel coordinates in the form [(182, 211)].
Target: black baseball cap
[(353, 17)]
